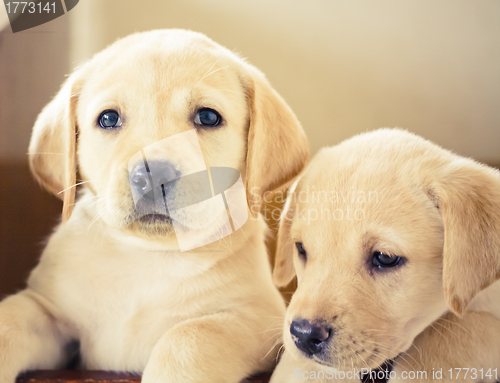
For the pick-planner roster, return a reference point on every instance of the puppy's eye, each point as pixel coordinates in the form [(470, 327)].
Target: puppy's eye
[(383, 260), (207, 117), (109, 119), (302, 252)]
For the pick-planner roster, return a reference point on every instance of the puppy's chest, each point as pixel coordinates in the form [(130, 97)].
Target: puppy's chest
[(122, 336), (118, 307), (120, 329)]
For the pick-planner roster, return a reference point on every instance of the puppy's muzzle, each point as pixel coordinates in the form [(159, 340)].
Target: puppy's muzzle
[(310, 338), (150, 185)]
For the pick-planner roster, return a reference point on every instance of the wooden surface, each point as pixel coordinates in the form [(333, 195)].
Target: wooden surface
[(113, 377), (108, 377), (100, 377), (77, 376)]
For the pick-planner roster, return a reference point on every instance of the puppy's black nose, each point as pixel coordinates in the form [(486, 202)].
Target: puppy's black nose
[(310, 338), (152, 180)]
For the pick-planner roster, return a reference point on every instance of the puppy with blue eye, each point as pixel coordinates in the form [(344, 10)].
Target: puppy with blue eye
[(396, 246), (139, 287)]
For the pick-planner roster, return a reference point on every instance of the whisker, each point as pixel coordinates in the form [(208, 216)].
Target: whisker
[(72, 186), (454, 323), (446, 328), (280, 352), (97, 216), (214, 64), (359, 356), (438, 331), (272, 348)]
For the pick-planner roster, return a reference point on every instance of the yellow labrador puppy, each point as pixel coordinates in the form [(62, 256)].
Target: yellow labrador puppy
[(396, 246), (138, 285)]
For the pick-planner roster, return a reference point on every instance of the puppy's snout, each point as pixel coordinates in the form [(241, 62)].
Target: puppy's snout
[(158, 175), (309, 337), (140, 181)]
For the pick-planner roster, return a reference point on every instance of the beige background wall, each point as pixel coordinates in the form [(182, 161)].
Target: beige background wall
[(432, 67), (33, 64), (344, 66)]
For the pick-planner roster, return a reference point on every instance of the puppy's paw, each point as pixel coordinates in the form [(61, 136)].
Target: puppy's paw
[(8, 372), (209, 349), (291, 371)]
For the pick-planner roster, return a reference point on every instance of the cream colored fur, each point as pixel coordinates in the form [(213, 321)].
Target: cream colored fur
[(440, 308), (119, 287)]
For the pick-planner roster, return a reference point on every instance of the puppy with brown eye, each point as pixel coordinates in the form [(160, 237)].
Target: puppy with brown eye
[(396, 249), (382, 260)]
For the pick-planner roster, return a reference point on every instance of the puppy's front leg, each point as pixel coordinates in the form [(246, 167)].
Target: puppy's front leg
[(29, 337), (222, 347), (290, 370)]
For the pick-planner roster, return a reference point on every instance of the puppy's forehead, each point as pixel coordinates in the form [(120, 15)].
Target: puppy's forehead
[(159, 78), (161, 61), (347, 197), (158, 69)]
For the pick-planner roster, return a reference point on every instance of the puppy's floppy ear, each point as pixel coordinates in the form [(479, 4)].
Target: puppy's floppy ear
[(284, 270), (468, 196), (277, 146), (52, 150)]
